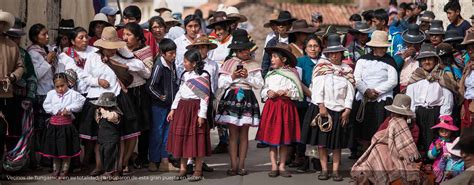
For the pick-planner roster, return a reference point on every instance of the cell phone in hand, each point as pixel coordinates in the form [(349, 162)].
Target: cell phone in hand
[(239, 67)]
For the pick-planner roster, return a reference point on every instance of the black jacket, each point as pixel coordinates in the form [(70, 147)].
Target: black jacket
[(163, 81)]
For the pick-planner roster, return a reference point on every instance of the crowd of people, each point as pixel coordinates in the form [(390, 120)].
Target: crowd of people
[(396, 89)]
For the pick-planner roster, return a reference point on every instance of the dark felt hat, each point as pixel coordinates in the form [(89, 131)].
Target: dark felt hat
[(361, 27), (301, 26), (328, 31), (285, 50), (334, 44), (106, 99), (428, 16), (444, 49), (452, 36), (413, 34), (17, 29), (469, 39), (219, 18), (427, 50), (65, 25), (240, 40), (284, 16), (436, 28)]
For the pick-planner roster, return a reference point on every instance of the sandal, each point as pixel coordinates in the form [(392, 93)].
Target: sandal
[(231, 172), (197, 176), (243, 172), (64, 175), (96, 172), (180, 176), (337, 178), (273, 173), (285, 174), (323, 176)]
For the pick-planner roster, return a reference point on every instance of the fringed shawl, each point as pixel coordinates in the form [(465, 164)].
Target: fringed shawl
[(230, 65), (292, 76), (437, 75), (325, 67)]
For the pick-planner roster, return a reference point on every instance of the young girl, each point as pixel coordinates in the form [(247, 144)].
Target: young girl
[(61, 139), (238, 108), (108, 115), (189, 133), (280, 126), (451, 164), (445, 129)]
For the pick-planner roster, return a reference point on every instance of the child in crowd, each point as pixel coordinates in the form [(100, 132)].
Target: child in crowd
[(61, 139), (108, 117), (452, 163), (445, 129), (280, 126)]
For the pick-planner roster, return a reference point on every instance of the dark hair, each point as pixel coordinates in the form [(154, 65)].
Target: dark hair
[(190, 18), (198, 12), (74, 32), (393, 2), (403, 5), (368, 15), (194, 56), (317, 39), (60, 76), (156, 19), (409, 6), (137, 31), (381, 14), (355, 17), (421, 6), (452, 5), (132, 11), (167, 45), (466, 144), (34, 32)]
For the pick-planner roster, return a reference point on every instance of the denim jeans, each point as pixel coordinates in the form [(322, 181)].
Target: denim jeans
[(158, 134)]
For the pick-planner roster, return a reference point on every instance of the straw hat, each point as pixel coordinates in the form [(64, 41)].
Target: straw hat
[(163, 6), (202, 40), (379, 40), (219, 18), (427, 50), (233, 13), (447, 123), (110, 39), (334, 44), (451, 149), (436, 28), (168, 18), (469, 39), (401, 105), (413, 34), (301, 26), (285, 50), (17, 30), (8, 18), (98, 18)]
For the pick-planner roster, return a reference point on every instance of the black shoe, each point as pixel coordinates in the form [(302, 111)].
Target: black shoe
[(206, 168), (262, 145), (189, 169), (316, 164), (221, 149), (304, 167), (174, 162)]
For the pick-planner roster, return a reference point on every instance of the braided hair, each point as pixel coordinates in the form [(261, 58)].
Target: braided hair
[(60, 76), (194, 56)]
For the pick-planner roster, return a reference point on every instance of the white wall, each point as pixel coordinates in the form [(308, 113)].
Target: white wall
[(437, 6)]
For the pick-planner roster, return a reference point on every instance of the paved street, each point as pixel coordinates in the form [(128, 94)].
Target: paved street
[(257, 164)]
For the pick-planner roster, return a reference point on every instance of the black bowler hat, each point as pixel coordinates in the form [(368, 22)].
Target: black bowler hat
[(240, 40), (284, 16), (334, 44), (452, 36), (65, 25), (427, 50), (17, 30), (436, 28), (413, 35), (360, 27)]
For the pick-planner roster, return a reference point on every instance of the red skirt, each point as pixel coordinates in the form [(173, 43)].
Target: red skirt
[(280, 124), (185, 138)]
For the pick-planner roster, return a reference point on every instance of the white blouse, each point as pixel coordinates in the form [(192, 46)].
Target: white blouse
[(278, 82), (43, 71), (66, 62), (181, 44), (95, 69), (377, 75), (426, 94), (254, 79), (469, 84), (213, 69), (135, 67), (185, 92), (71, 101), (335, 92), (221, 52)]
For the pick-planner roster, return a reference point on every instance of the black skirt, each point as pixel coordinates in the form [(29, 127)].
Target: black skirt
[(61, 141), (375, 114), (337, 138), (141, 100), (239, 113), (88, 128), (425, 119)]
